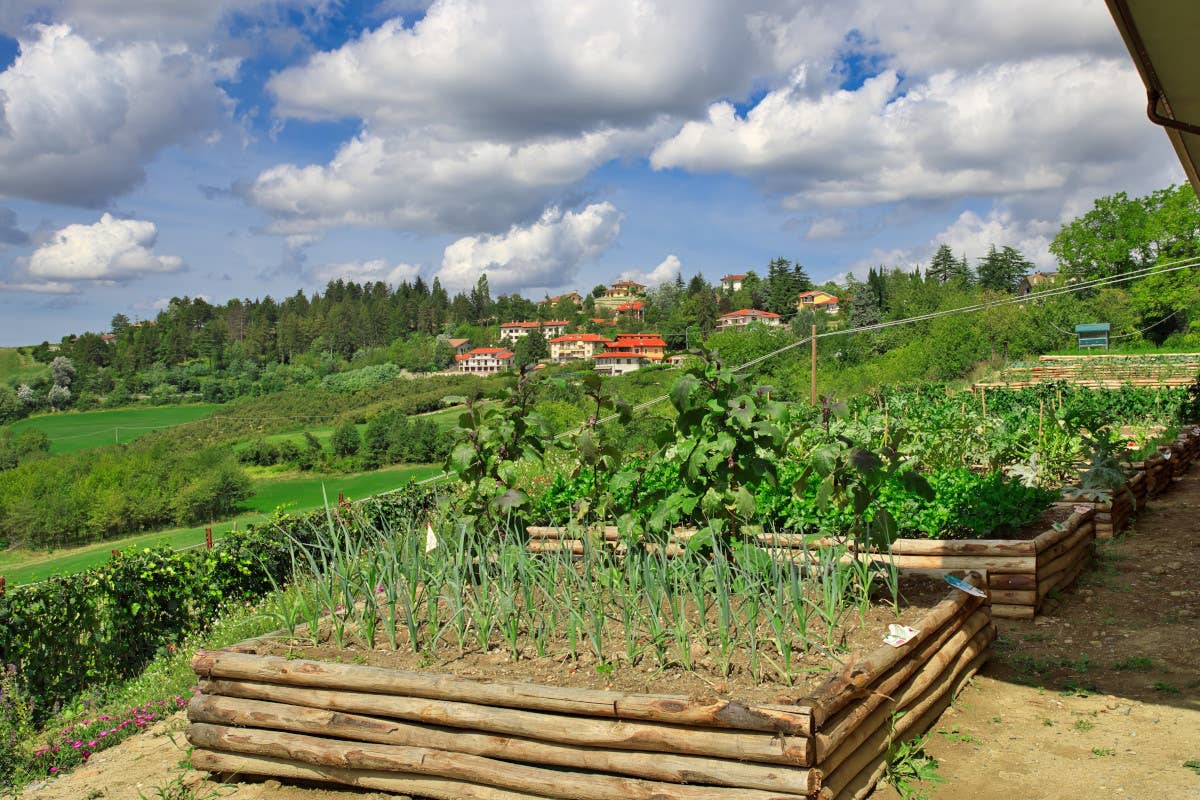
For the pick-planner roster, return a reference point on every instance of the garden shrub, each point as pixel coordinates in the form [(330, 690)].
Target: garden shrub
[(77, 632)]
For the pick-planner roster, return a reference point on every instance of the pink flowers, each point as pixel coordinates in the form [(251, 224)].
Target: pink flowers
[(83, 738)]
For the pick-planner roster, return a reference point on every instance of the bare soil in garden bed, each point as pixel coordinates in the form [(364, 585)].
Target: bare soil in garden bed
[(856, 636)]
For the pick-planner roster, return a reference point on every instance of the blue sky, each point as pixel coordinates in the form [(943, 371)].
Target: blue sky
[(236, 148)]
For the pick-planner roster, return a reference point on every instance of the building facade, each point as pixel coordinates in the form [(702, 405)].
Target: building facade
[(732, 283), (511, 331), (485, 360), (577, 346), (818, 299), (740, 319)]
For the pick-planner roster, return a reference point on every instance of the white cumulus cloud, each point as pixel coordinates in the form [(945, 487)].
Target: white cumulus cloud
[(415, 182), (953, 135), (376, 269), (514, 70), (545, 254), (109, 250), (666, 270), (78, 122)]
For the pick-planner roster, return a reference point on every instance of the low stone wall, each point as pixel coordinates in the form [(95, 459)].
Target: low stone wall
[(452, 738)]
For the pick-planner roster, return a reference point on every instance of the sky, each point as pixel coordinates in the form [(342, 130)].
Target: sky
[(152, 149)]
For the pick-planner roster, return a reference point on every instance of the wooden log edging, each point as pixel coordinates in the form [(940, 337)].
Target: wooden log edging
[(441, 736)]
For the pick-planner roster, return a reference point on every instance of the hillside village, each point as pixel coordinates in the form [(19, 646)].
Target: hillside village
[(622, 304)]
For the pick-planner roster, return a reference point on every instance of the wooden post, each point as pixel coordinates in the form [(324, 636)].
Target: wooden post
[(2, 590), (813, 374), (208, 544), (983, 397)]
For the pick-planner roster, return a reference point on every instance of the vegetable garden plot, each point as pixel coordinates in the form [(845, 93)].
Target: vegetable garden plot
[(446, 736)]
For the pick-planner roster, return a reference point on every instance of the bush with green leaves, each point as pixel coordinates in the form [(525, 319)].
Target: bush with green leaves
[(488, 441), (73, 633)]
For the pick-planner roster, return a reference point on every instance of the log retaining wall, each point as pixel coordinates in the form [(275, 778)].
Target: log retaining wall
[(446, 737)]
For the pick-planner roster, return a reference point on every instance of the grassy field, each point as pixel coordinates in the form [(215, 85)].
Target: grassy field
[(70, 431), (299, 494), (16, 365)]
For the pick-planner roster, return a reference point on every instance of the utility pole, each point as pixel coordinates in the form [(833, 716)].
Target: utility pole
[(813, 373)]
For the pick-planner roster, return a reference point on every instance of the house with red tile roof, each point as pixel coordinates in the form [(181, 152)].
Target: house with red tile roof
[(485, 360), (634, 309), (818, 299), (577, 346), (732, 283), (511, 331), (742, 318)]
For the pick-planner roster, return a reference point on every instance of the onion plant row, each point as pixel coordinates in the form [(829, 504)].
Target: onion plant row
[(384, 589)]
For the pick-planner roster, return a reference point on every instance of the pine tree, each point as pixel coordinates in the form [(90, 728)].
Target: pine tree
[(943, 266), (800, 279), (1002, 270), (781, 290)]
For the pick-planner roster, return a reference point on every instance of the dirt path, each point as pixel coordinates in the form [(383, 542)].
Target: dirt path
[(1098, 698), (1101, 696)]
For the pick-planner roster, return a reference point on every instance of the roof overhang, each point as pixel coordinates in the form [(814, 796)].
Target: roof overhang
[(1163, 36)]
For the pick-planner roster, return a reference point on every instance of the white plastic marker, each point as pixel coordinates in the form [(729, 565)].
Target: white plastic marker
[(431, 541), (963, 586), (899, 635), (1167, 456)]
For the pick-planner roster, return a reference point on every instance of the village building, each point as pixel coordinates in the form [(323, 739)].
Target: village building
[(732, 283), (742, 318), (618, 294), (574, 297), (460, 345), (577, 346), (512, 331), (818, 299), (650, 345), (618, 362), (1035, 281), (485, 360), (634, 309)]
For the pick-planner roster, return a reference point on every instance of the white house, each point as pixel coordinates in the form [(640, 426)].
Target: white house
[(732, 283), (742, 318), (511, 331), (485, 360), (619, 362)]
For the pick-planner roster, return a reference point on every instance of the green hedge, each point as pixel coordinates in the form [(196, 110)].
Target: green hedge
[(74, 633)]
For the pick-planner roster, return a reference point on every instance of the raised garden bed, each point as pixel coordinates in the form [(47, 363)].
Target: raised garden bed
[(1020, 572), (449, 736)]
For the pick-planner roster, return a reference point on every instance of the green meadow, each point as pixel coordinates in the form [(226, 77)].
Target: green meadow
[(70, 431), (294, 494)]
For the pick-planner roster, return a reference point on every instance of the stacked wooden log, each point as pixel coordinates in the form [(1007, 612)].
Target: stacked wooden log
[(1111, 511), (1158, 474), (1101, 372), (447, 737)]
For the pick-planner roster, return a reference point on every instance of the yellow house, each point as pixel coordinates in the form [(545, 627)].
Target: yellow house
[(818, 299)]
